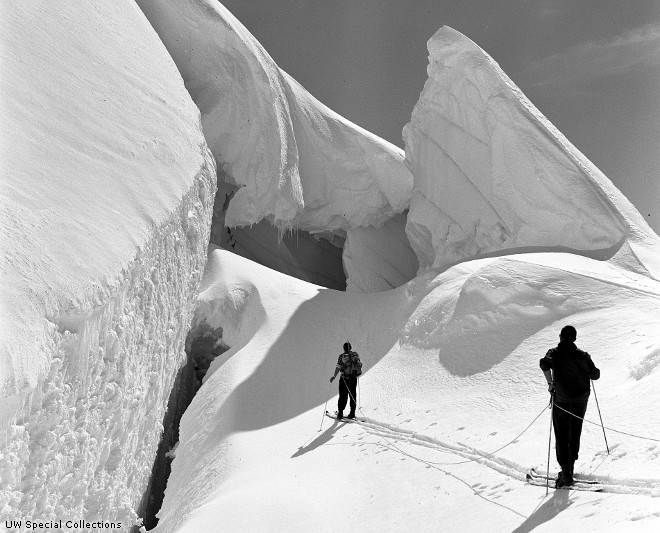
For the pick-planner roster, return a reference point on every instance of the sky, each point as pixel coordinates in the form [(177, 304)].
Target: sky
[(591, 66)]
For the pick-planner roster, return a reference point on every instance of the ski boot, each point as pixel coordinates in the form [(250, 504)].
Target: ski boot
[(565, 478)]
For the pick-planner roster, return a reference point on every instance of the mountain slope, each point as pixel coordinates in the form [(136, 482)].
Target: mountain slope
[(451, 374)]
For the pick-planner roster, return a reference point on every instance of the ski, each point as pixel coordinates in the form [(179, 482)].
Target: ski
[(536, 474), (334, 417), (541, 480)]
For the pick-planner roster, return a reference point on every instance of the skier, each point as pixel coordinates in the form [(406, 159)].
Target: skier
[(350, 367), (568, 370)]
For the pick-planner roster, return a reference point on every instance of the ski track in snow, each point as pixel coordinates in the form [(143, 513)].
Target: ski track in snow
[(642, 487)]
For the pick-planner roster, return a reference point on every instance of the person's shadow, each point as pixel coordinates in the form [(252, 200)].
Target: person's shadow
[(546, 512), (324, 437)]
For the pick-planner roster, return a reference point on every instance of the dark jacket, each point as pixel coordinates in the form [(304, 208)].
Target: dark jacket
[(572, 370)]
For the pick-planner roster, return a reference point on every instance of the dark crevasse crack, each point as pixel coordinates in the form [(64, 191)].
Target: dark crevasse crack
[(203, 344)]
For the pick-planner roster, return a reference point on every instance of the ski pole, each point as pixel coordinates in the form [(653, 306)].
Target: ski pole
[(325, 407), (552, 412), (599, 416), (359, 393)]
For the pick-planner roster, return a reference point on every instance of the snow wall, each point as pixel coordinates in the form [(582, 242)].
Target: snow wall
[(493, 175), (283, 157), (106, 204)]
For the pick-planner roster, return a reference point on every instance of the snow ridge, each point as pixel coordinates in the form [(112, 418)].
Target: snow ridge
[(492, 174)]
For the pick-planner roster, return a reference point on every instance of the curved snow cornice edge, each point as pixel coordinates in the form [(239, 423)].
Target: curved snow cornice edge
[(293, 160)]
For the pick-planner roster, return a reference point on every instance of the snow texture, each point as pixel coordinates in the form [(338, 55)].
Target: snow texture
[(107, 191), (312, 257), (284, 158), (379, 259), (453, 401), (492, 174), (292, 160), (451, 357), (106, 209)]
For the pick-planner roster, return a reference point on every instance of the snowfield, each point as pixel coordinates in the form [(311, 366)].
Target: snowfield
[(451, 382), (133, 131)]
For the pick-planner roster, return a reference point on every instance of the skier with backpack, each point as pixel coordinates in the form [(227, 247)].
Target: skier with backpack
[(568, 371), (350, 367)]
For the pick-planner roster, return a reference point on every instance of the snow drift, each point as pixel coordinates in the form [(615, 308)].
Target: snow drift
[(107, 196), (492, 174), (451, 395)]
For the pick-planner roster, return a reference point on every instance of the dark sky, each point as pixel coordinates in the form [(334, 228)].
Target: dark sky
[(591, 66)]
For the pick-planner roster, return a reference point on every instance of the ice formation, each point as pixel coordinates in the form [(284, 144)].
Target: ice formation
[(284, 156), (492, 174), (291, 158), (316, 258), (379, 259), (107, 196)]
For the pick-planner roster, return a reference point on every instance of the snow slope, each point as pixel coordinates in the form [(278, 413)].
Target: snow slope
[(450, 388), (492, 174), (106, 203)]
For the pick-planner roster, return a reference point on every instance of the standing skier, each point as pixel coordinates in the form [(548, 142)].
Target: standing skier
[(350, 367), (568, 370)]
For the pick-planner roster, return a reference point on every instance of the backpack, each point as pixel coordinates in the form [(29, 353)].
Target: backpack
[(351, 364)]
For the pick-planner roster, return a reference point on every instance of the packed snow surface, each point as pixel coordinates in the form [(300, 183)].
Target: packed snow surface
[(453, 400), (106, 203)]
